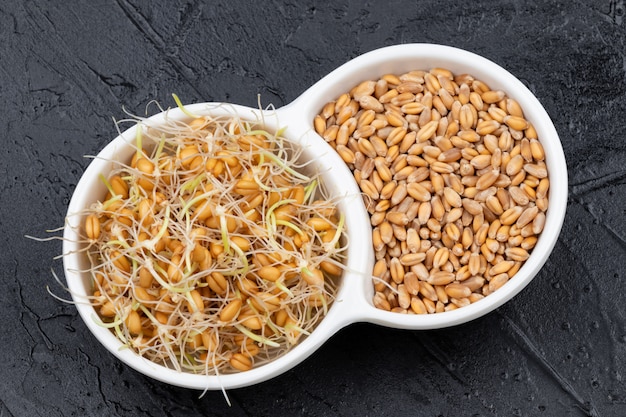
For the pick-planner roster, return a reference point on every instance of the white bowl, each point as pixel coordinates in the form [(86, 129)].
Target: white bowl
[(354, 302)]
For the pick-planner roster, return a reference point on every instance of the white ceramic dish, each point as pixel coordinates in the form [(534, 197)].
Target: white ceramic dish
[(354, 299)]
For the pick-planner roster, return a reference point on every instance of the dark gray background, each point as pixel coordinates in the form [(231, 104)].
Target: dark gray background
[(67, 68)]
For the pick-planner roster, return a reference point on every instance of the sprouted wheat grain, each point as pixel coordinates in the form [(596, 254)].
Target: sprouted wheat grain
[(212, 251)]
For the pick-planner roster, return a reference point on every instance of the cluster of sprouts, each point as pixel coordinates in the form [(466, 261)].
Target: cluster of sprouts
[(212, 251)]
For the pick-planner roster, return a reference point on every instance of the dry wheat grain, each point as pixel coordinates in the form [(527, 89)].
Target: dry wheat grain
[(455, 181)]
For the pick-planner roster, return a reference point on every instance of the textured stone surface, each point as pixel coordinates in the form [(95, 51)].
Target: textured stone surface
[(66, 69)]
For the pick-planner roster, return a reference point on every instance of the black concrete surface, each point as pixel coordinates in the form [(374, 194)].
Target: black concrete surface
[(68, 67)]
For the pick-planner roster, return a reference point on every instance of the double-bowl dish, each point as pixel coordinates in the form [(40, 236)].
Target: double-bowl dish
[(354, 299)]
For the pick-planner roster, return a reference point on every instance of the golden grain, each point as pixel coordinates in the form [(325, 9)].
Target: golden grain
[(492, 96), (536, 170), (527, 216), (487, 127), (498, 281), (417, 305), (517, 254)]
